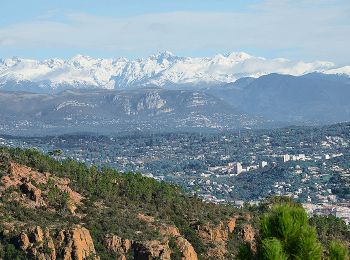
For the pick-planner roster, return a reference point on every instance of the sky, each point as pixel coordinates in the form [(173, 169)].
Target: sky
[(294, 29)]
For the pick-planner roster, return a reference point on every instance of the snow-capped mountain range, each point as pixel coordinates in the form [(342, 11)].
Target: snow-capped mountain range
[(162, 69)]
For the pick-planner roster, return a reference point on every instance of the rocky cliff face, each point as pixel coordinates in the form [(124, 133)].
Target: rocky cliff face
[(152, 249), (117, 244), (248, 235), (168, 232), (217, 236), (140, 249), (74, 243)]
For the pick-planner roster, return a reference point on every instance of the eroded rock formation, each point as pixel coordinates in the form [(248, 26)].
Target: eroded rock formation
[(71, 244), (217, 236)]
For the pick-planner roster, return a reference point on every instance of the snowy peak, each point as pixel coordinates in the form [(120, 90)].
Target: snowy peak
[(238, 56), (165, 55), (162, 69), (340, 71)]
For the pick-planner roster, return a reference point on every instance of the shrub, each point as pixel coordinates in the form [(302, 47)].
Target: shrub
[(244, 252), (272, 249), (10, 252), (337, 251), (4, 163)]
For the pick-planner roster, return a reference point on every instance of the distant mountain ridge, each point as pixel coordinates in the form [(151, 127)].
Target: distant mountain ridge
[(312, 98), (111, 111), (161, 70), (271, 100)]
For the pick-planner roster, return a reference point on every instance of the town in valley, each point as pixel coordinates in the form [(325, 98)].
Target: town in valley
[(308, 164)]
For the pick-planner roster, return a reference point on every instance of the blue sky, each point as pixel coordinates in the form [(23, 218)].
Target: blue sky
[(293, 29)]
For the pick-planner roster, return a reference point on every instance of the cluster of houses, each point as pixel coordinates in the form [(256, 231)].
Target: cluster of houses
[(339, 211), (236, 168)]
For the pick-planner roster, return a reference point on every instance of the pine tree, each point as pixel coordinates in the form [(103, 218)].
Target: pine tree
[(286, 234)]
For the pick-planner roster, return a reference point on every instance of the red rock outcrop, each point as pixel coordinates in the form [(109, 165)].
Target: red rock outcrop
[(32, 192), (168, 232), (72, 244), (217, 237), (117, 244), (186, 249), (37, 244), (76, 243), (231, 224), (28, 181), (248, 235), (217, 233), (151, 249)]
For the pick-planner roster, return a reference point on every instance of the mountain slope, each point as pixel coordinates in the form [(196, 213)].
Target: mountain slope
[(107, 111), (311, 98), (162, 70)]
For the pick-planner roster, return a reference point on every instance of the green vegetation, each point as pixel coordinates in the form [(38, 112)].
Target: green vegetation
[(286, 233), (272, 249), (4, 163), (10, 252), (121, 197), (283, 228), (245, 252), (176, 254), (330, 228), (56, 152), (338, 251), (56, 198)]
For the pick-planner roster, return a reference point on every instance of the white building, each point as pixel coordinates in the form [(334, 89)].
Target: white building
[(286, 157), (238, 168), (302, 157), (263, 164)]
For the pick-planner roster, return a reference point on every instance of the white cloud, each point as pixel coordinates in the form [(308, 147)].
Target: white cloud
[(295, 29)]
